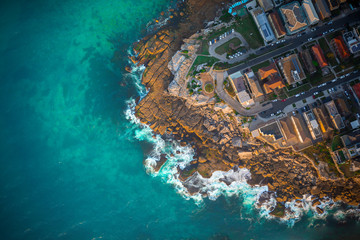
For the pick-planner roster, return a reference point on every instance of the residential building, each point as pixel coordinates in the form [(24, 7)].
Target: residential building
[(342, 107), (310, 12), (294, 17), (277, 25), (263, 25), (333, 4), (334, 115), (355, 124), (352, 143), (312, 124), (271, 78), (340, 47), (322, 119), (307, 60), (292, 69), (356, 89), (267, 5), (352, 40), (237, 81), (271, 130), (323, 9), (300, 129), (254, 86), (319, 55), (288, 130)]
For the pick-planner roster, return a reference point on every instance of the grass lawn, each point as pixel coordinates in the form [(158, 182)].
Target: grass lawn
[(317, 78), (203, 59), (247, 28), (204, 49), (302, 88), (225, 65), (324, 46), (260, 65), (225, 47)]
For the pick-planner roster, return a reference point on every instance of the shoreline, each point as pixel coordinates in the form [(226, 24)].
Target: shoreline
[(167, 114)]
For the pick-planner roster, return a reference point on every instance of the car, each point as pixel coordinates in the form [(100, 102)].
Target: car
[(272, 44), (283, 100), (278, 112), (348, 74), (313, 29), (316, 93), (324, 33), (334, 80), (297, 95), (310, 39), (271, 114), (358, 115), (302, 93), (299, 35), (277, 42), (356, 71), (275, 100), (283, 40), (342, 76), (294, 113), (329, 23), (331, 30), (330, 90)]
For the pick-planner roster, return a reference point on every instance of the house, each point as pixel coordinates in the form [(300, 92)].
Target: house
[(355, 124), (292, 69), (322, 119), (340, 48), (267, 5), (312, 124), (351, 142), (333, 4), (237, 81), (319, 55), (352, 40), (300, 129), (294, 17), (271, 130), (263, 25), (334, 115), (308, 61), (254, 86), (310, 12), (271, 78), (356, 89), (277, 25), (288, 130), (323, 9)]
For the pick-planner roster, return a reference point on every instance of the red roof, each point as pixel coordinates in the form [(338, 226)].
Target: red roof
[(356, 88), (319, 55), (341, 47)]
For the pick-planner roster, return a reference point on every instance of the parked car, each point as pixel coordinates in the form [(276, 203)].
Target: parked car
[(334, 80), (297, 95), (302, 93), (283, 100)]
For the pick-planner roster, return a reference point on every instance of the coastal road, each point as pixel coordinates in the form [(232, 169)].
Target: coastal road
[(279, 106), (272, 51)]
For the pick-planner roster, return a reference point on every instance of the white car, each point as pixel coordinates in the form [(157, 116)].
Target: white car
[(342, 77), (297, 95), (347, 75), (334, 80), (272, 115), (309, 39), (316, 93), (302, 93), (274, 100)]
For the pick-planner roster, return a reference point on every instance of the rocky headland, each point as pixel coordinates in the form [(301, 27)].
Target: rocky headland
[(219, 142)]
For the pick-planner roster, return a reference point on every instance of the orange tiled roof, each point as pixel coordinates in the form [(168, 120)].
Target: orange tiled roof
[(267, 71), (319, 55), (342, 49), (275, 82)]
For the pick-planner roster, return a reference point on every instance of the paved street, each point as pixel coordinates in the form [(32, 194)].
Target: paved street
[(295, 42), (279, 105)]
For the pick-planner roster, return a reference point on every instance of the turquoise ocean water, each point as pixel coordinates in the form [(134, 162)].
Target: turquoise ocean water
[(71, 153)]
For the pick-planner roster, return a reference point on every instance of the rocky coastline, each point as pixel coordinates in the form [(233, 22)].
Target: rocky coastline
[(219, 143)]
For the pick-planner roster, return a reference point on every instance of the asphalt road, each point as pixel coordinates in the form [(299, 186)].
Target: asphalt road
[(295, 42), (279, 105)]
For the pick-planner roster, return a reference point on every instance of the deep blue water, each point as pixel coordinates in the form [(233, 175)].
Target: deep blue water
[(71, 163)]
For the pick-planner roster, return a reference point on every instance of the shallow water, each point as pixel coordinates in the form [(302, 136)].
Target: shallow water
[(71, 161)]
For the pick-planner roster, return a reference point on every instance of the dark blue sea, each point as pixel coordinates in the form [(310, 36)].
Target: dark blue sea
[(72, 154)]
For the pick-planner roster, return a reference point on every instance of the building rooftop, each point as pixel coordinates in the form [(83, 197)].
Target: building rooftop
[(351, 139), (356, 89), (310, 12), (307, 59), (300, 129), (288, 130), (254, 85), (267, 71), (264, 26), (313, 125), (323, 9), (333, 4), (267, 5), (292, 69), (273, 82), (293, 17), (276, 24), (340, 47), (272, 130), (322, 120), (319, 55), (352, 40)]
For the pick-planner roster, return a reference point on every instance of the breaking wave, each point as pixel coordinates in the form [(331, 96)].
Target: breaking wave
[(228, 184)]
